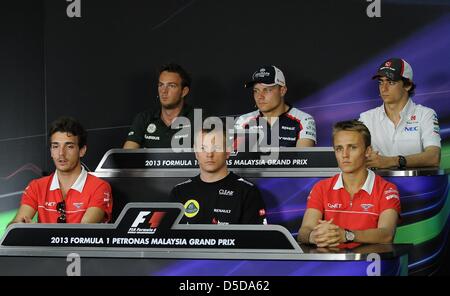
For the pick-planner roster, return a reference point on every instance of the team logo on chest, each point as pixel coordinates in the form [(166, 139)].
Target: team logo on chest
[(191, 208), (366, 207), (78, 205), (151, 128)]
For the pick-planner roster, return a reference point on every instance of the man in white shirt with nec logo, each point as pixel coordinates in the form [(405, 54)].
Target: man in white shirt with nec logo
[(404, 134)]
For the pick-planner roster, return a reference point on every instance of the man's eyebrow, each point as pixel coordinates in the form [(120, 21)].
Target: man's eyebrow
[(67, 143)]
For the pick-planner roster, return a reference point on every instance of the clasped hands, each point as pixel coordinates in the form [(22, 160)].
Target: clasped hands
[(326, 234)]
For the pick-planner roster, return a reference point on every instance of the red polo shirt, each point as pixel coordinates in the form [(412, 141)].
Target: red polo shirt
[(88, 191), (330, 197)]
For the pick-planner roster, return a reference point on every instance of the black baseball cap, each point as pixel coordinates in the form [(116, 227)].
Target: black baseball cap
[(268, 75), (395, 69)]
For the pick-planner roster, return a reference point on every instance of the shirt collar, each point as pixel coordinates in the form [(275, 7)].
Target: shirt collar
[(368, 184), (185, 110), (78, 185), (407, 109), (282, 114)]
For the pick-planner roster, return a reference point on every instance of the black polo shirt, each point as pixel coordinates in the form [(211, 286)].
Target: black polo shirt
[(150, 131), (232, 200)]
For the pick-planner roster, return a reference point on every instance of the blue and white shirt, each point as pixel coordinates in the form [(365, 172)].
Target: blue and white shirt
[(292, 125), (418, 128)]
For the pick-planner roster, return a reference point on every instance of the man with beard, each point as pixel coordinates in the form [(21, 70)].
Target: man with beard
[(152, 128)]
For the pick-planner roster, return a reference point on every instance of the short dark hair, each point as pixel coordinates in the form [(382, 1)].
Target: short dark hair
[(66, 124), (175, 68), (212, 121), (214, 128), (406, 83), (354, 126)]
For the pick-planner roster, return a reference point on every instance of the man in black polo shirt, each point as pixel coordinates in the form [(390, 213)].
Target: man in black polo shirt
[(152, 128), (218, 196), (276, 122)]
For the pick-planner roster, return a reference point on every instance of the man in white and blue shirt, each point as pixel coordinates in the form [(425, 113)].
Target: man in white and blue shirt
[(404, 134), (276, 123)]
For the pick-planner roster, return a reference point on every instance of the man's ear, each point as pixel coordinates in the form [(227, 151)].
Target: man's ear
[(185, 91), (283, 90), (368, 151), (83, 151), (407, 87)]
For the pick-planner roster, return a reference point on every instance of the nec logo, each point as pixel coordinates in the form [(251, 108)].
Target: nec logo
[(140, 226), (412, 129)]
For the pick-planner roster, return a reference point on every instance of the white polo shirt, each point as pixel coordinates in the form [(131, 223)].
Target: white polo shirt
[(418, 128)]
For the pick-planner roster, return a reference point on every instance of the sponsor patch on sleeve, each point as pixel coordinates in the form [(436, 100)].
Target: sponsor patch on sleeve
[(391, 193)]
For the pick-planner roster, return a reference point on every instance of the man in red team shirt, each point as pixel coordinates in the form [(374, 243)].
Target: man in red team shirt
[(355, 205), (70, 195)]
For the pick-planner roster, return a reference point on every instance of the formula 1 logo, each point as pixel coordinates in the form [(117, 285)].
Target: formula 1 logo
[(146, 223)]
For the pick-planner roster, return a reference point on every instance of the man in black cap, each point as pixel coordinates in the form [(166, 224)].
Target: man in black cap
[(153, 128), (403, 134), (274, 116)]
